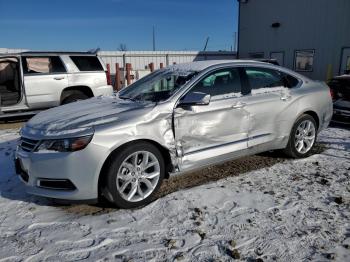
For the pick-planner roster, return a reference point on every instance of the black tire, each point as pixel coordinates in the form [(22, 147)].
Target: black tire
[(74, 98), (291, 150), (117, 159)]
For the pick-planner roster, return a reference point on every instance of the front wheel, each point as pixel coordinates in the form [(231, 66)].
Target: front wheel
[(302, 138), (135, 175)]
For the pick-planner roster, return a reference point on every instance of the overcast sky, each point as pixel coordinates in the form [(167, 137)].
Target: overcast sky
[(86, 24)]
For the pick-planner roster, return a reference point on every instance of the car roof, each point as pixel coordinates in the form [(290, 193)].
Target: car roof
[(48, 53), (342, 77), (199, 66)]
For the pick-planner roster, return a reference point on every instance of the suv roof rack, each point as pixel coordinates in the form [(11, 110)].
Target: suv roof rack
[(92, 52)]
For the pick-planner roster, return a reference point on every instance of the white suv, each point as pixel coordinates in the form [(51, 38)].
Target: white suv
[(32, 81)]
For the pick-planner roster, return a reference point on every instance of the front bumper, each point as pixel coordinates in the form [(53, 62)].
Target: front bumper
[(341, 116), (80, 169)]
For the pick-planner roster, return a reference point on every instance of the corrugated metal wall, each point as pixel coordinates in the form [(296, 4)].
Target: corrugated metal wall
[(141, 59), (319, 25)]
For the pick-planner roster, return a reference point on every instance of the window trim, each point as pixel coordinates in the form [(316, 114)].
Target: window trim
[(341, 58), (24, 60), (175, 99), (295, 59), (238, 68), (246, 79), (88, 71)]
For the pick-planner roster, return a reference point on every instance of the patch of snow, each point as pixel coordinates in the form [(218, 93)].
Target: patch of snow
[(198, 65), (269, 90), (293, 210), (230, 95), (83, 115)]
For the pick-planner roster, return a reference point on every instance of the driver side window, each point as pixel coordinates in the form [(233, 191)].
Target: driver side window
[(220, 82)]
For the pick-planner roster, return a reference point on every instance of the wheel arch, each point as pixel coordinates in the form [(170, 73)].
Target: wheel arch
[(164, 151), (314, 115), (72, 89)]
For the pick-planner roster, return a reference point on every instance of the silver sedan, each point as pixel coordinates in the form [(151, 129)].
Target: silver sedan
[(175, 120)]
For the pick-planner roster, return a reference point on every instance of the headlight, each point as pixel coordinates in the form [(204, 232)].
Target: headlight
[(64, 145)]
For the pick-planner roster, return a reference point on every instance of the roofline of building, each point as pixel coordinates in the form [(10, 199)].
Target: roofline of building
[(238, 28)]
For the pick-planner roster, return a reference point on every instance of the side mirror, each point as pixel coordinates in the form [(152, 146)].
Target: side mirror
[(195, 98)]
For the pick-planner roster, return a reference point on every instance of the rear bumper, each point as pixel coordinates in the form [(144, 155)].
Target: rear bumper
[(326, 118), (341, 116)]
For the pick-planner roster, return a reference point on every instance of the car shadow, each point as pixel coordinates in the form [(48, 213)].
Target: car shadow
[(211, 174)]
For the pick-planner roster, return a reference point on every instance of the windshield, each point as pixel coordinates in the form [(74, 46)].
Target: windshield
[(157, 86)]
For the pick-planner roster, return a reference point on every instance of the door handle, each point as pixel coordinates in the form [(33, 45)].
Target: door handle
[(286, 97), (239, 105), (58, 77)]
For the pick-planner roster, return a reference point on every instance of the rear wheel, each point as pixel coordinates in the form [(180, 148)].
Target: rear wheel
[(135, 175), (302, 138)]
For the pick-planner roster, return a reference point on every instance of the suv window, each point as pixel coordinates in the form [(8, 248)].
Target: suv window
[(221, 82), (43, 65), (87, 63), (269, 78)]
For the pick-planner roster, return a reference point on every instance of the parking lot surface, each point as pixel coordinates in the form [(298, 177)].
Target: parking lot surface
[(264, 206)]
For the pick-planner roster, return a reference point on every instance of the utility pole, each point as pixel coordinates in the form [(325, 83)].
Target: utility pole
[(235, 41), (206, 44), (154, 39)]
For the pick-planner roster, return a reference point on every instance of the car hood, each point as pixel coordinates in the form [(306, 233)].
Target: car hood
[(82, 116)]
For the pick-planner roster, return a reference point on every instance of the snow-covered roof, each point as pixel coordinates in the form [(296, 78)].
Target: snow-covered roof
[(201, 65)]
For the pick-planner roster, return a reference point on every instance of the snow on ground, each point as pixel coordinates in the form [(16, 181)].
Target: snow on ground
[(292, 210)]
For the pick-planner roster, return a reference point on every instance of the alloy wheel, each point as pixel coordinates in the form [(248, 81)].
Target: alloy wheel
[(138, 176), (305, 136)]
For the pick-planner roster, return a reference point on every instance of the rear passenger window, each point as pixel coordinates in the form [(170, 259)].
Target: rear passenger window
[(291, 81), (221, 82), (87, 63), (43, 65), (264, 78)]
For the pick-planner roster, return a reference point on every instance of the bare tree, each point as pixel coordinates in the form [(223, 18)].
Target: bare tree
[(122, 47)]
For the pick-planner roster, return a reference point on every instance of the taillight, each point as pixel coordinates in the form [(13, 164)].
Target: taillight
[(331, 91), (108, 75)]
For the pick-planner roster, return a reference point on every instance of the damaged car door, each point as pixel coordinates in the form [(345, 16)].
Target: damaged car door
[(209, 132), (268, 104)]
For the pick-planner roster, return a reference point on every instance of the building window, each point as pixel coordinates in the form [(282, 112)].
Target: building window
[(347, 70), (278, 56), (304, 60), (256, 55)]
